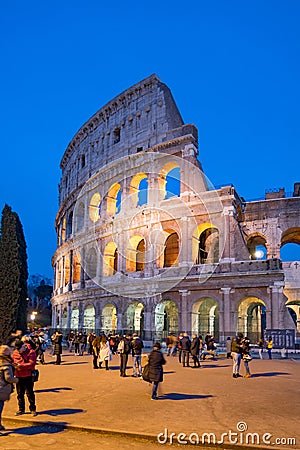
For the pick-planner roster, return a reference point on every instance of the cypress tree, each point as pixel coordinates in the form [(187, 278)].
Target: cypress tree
[(13, 275)]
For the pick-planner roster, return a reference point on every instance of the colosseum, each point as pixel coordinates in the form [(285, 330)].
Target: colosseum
[(146, 243)]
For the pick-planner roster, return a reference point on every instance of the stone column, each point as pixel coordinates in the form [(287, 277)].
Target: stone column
[(226, 325), (186, 243), (275, 294), (185, 320), (63, 273), (82, 273), (69, 314), (153, 190), (71, 271), (228, 213)]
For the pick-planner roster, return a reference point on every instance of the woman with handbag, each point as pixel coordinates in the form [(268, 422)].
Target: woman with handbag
[(246, 357), (156, 362), (6, 378), (24, 359)]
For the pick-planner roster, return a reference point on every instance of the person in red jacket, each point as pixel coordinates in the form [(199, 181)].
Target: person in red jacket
[(24, 359)]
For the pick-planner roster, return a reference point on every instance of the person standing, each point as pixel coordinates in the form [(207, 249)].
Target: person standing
[(186, 347), (137, 347), (179, 347), (195, 346), (156, 361), (269, 346), (96, 350), (246, 356), (236, 354), (104, 353), (228, 347), (57, 342), (24, 359), (6, 378), (260, 348), (124, 348)]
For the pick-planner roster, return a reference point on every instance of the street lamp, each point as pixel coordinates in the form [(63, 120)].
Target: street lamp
[(33, 315)]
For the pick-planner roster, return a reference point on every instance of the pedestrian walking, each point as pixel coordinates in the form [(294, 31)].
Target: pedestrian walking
[(70, 340), (236, 354), (156, 362), (179, 347), (24, 359), (7, 378)]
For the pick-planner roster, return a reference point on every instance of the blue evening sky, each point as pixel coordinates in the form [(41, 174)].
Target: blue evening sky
[(232, 66)]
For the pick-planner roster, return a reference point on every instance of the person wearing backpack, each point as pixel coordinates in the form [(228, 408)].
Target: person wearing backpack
[(137, 346), (124, 348)]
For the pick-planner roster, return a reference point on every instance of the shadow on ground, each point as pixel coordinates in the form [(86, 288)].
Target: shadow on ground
[(60, 412), (38, 391), (177, 396), (268, 374), (32, 430)]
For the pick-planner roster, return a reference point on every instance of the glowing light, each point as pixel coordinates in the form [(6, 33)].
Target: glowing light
[(259, 254)]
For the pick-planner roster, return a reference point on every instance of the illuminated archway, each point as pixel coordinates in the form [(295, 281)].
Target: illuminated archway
[(169, 180), (135, 318), (139, 189), (74, 318), (64, 318), (109, 318), (257, 246), (205, 247), (166, 318), (251, 318), (89, 318), (205, 317), (94, 208), (113, 199), (171, 251), (135, 254), (91, 264), (290, 245), (79, 217), (110, 259), (76, 268)]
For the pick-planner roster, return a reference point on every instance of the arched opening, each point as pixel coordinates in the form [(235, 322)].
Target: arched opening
[(89, 319), (76, 268), (173, 183), (94, 208), (257, 247), (70, 225), (63, 230), (135, 254), (64, 318), (205, 317), (135, 318), (252, 318), (139, 189), (294, 311), (290, 245), (114, 199), (91, 264), (67, 270), (171, 251), (79, 217), (74, 318), (110, 259), (109, 318), (166, 319), (205, 247)]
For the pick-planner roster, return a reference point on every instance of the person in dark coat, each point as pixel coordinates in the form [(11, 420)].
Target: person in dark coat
[(6, 378), (195, 347), (186, 348), (156, 362), (57, 342)]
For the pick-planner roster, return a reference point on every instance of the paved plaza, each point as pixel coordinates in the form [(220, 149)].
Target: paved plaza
[(199, 401)]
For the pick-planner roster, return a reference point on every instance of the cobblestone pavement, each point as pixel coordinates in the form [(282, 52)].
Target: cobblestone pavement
[(205, 400)]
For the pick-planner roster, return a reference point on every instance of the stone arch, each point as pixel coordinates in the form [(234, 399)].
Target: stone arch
[(74, 318), (109, 318), (67, 270), (63, 229), (135, 317), (205, 247), (64, 318), (166, 318), (110, 259), (205, 317), (70, 225), (171, 251), (251, 319), (94, 207), (257, 246), (113, 199), (165, 180), (76, 267), (135, 254), (91, 263), (89, 318), (79, 217), (139, 189), (290, 244)]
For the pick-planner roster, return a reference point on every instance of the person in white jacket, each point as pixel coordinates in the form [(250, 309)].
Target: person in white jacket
[(104, 353)]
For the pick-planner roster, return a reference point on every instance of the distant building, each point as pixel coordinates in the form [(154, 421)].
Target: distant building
[(145, 243)]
